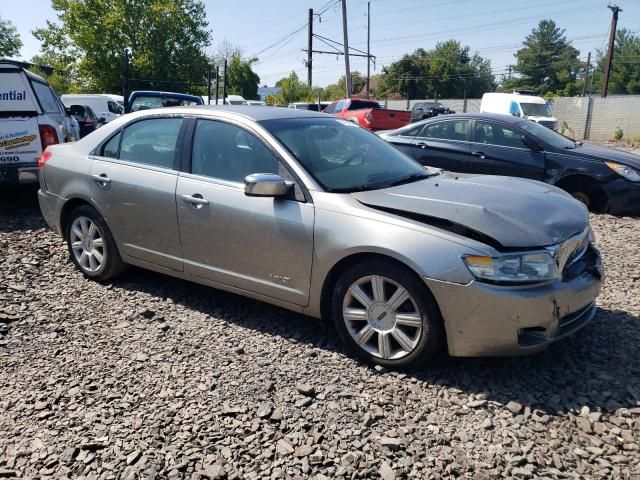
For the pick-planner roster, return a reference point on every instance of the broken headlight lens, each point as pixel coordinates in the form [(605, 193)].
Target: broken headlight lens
[(513, 268), (624, 171)]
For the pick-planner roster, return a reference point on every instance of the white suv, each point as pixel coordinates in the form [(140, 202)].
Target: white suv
[(31, 118)]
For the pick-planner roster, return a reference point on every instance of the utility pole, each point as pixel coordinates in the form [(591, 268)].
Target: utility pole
[(347, 77), (612, 36), (208, 84), (217, 82), (310, 47), (125, 80), (586, 74), (368, 45), (510, 71), (224, 87)]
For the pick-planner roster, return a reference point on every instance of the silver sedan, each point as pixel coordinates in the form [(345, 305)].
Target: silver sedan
[(314, 214)]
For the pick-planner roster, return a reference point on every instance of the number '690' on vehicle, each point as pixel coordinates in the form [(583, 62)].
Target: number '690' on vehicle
[(317, 215)]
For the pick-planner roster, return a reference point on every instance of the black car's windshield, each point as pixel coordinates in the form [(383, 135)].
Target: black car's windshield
[(342, 157), (546, 134), (535, 109)]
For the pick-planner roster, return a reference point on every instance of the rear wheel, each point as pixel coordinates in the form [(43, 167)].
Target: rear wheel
[(91, 245), (386, 315)]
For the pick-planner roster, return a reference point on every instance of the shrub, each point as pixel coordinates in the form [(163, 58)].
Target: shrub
[(618, 134)]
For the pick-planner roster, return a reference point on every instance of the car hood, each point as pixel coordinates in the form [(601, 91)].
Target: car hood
[(513, 212), (606, 154)]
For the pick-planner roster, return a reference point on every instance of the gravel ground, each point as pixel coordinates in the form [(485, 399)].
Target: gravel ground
[(152, 377)]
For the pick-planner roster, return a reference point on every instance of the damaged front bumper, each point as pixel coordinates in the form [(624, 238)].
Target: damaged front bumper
[(491, 320)]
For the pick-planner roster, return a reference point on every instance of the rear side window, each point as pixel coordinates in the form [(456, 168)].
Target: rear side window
[(361, 104), (46, 97), (151, 142), (110, 149), (452, 130)]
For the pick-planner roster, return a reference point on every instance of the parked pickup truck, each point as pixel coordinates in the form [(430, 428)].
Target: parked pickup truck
[(368, 114)]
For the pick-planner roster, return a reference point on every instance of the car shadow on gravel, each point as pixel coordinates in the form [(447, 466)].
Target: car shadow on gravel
[(597, 367), (19, 209)]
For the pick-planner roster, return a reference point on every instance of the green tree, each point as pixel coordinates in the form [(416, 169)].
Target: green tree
[(337, 90), (625, 68), (447, 71), (242, 79), (10, 43), (292, 89), (547, 62), (166, 39)]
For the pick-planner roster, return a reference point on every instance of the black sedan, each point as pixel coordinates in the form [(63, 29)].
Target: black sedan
[(423, 110), (87, 119), (604, 179)]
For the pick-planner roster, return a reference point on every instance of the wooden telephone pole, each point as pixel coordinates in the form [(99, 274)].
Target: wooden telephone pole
[(612, 37)]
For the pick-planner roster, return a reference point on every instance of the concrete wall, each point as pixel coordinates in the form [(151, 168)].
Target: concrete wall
[(589, 118)]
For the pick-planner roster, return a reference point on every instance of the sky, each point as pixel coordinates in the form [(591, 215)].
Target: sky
[(276, 31)]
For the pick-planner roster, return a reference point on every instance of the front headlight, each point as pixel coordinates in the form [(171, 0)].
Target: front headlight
[(513, 268), (624, 171)]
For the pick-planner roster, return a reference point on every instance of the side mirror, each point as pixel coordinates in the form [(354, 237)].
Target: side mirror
[(265, 185)]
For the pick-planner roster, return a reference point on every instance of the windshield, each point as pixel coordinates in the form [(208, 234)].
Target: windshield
[(341, 156), (144, 103), (535, 109), (546, 134)]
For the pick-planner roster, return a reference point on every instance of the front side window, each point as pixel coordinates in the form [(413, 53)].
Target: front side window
[(227, 152), (151, 142), (450, 130), (494, 134), (331, 108), (343, 157), (47, 98)]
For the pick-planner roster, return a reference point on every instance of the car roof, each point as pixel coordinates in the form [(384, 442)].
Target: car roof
[(260, 113), (154, 93), (477, 116)]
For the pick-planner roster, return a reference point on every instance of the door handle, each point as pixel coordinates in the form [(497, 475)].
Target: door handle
[(481, 155), (196, 199), (422, 145), (101, 179)]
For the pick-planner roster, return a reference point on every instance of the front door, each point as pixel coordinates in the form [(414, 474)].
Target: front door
[(498, 149), (444, 144), (134, 182), (260, 244)]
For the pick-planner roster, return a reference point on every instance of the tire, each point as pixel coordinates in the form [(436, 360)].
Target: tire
[(410, 340), (583, 198), (91, 246)]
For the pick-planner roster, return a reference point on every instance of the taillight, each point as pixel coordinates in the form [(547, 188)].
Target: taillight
[(46, 155), (367, 117), (48, 136)]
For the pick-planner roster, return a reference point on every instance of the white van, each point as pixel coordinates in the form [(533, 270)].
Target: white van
[(520, 105), (105, 106), (31, 118)]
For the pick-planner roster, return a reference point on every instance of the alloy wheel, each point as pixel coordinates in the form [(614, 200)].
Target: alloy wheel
[(87, 244), (382, 317)]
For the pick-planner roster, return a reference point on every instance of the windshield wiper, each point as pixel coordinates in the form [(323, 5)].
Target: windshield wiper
[(357, 188), (411, 178)]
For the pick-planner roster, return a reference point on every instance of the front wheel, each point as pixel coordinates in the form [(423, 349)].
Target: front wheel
[(91, 245), (386, 315)]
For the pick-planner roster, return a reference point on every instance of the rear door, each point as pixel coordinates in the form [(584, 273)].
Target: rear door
[(444, 144), (499, 149), (20, 144), (134, 184)]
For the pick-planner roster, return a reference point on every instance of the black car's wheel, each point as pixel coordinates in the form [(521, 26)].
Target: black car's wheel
[(91, 245), (386, 315), (582, 197)]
